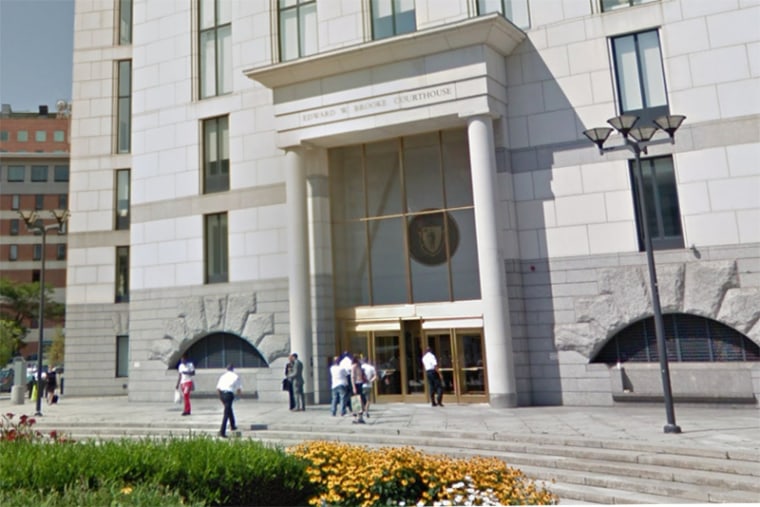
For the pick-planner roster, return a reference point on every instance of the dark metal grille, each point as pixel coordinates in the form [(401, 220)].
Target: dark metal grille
[(689, 338), (220, 349)]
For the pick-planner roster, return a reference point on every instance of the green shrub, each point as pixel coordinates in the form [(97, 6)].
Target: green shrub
[(199, 470)]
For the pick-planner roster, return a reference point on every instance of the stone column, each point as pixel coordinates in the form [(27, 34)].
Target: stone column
[(493, 287), (298, 263)]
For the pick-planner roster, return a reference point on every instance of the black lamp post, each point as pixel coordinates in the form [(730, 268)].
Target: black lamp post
[(637, 139), (34, 223)]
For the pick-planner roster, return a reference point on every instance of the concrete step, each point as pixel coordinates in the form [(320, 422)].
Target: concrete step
[(577, 469)]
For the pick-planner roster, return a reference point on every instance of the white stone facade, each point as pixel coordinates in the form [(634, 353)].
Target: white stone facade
[(563, 217)]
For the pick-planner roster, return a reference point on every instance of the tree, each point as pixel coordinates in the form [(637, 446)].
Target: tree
[(19, 306), (55, 352)]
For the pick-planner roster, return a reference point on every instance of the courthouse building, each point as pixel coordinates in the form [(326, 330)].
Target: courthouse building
[(255, 177)]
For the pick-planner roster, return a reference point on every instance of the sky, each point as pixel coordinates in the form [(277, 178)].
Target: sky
[(36, 52)]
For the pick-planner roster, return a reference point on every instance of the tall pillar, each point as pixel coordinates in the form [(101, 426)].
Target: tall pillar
[(502, 386), (298, 263)]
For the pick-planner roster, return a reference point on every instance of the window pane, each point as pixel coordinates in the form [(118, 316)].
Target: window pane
[(16, 173), (308, 25), (59, 136), (224, 12), (124, 125), (207, 13), (22, 136), (667, 197), (122, 356), (125, 78), (14, 226), (652, 76), (609, 5), (351, 261), (122, 274), (464, 256), (288, 35), (61, 173), (347, 183), (224, 59), (388, 261), (122, 199), (216, 248), (60, 251), (125, 22), (422, 172), (383, 178), (517, 12), (39, 173), (382, 19), (627, 68), (13, 252), (456, 168), (40, 136), (406, 21), (207, 63)]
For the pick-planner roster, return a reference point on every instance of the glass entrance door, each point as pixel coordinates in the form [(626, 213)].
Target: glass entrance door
[(461, 363), (397, 357)]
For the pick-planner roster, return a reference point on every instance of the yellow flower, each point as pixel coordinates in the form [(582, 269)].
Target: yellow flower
[(126, 490)]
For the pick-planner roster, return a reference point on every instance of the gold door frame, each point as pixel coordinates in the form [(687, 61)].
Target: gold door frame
[(412, 385)]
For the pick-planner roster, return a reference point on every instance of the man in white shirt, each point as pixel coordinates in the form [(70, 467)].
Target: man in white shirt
[(228, 387), (370, 375), (435, 382), (339, 386)]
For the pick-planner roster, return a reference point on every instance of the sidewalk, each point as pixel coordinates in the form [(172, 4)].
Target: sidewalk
[(711, 427)]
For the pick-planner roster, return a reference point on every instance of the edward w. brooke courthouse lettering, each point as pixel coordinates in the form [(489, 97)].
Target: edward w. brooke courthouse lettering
[(378, 105)]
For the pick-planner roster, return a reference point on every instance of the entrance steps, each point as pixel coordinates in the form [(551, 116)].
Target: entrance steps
[(578, 470)]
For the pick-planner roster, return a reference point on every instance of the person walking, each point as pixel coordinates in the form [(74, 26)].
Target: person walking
[(296, 382), (186, 371), (357, 381), (370, 375), (228, 387), (434, 378), (339, 386)]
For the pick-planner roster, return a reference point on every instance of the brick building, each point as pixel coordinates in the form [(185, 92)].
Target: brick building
[(34, 175)]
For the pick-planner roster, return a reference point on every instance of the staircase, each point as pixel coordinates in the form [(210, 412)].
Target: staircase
[(578, 470)]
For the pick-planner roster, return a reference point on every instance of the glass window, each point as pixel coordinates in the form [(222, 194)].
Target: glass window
[(61, 173), (216, 248), (403, 221), (15, 201), (14, 226), (611, 5), (59, 136), (16, 173), (124, 107), (640, 79), (514, 10), (3, 135), (63, 201), (122, 356), (123, 177), (40, 136), (122, 274), (13, 252), (22, 136), (60, 251), (298, 28), (39, 173), (39, 201), (37, 255), (392, 17), (215, 41), (216, 155), (661, 202), (125, 22)]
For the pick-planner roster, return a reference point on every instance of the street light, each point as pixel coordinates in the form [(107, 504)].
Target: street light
[(637, 139), (35, 223)]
